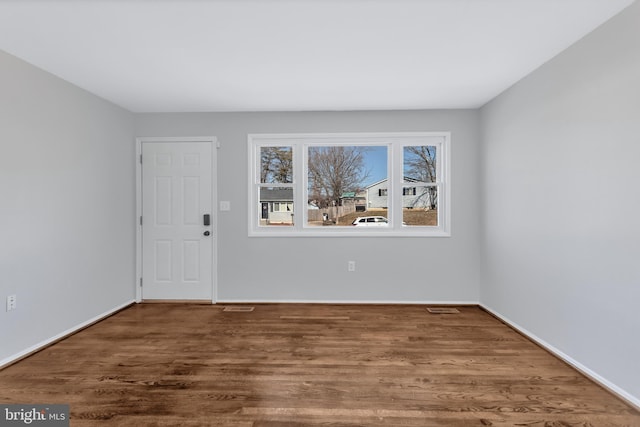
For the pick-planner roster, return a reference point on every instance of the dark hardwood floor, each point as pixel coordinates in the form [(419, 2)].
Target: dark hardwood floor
[(308, 365)]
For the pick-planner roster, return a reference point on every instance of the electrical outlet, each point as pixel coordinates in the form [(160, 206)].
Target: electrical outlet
[(351, 266), (11, 302)]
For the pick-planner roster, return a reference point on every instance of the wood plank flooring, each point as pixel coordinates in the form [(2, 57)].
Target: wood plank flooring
[(308, 365)]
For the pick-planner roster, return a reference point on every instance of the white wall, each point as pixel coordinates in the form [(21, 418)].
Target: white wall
[(315, 269), (67, 208), (561, 179)]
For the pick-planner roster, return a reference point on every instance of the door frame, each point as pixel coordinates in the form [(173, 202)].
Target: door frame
[(214, 204)]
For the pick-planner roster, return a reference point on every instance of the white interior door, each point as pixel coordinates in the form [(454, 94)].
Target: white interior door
[(177, 243)]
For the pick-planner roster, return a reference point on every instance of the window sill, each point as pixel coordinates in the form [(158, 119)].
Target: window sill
[(349, 232)]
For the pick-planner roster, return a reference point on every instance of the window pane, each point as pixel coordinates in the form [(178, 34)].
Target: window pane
[(420, 164), (419, 200), (276, 206), (346, 182), (421, 208), (276, 165)]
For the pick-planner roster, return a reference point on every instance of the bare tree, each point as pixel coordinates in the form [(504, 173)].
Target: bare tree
[(334, 170), (276, 164), (420, 163)]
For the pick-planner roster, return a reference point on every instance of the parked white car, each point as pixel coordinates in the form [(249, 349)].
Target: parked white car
[(370, 221)]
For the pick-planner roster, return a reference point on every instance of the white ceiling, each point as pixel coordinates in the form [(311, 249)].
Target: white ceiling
[(293, 55)]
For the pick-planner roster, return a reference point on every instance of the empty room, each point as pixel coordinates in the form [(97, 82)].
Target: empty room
[(302, 213)]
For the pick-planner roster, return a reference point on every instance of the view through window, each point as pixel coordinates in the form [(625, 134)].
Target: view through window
[(276, 202), (342, 180)]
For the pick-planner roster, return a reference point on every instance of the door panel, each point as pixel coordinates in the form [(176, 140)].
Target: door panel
[(177, 256)]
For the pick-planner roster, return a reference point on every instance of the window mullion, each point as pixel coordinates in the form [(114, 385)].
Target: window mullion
[(395, 185), (299, 181)]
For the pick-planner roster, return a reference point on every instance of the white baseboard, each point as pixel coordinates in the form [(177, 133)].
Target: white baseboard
[(24, 353), (361, 302), (611, 387)]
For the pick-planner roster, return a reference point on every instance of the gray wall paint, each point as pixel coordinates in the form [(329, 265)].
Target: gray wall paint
[(66, 202), (315, 269), (561, 152)]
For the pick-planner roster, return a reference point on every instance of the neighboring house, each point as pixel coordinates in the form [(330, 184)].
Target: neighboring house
[(417, 196), (357, 199), (276, 205)]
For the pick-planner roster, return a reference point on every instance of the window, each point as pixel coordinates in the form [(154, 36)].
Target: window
[(393, 184), (339, 178), (275, 202), (282, 207), (420, 169)]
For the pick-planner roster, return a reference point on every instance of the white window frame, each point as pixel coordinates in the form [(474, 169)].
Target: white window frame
[(395, 143)]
